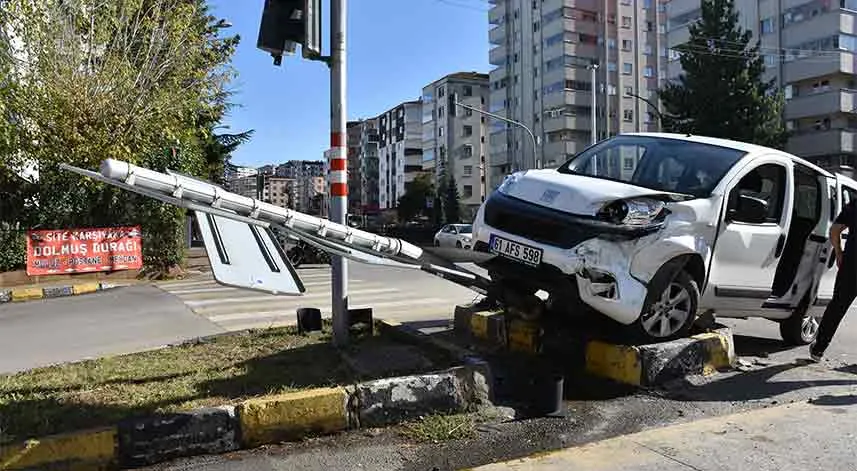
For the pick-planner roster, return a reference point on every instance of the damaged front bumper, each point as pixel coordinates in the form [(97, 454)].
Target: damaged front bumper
[(581, 261)]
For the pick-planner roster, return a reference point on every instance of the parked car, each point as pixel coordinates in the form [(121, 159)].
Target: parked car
[(455, 235), (651, 229)]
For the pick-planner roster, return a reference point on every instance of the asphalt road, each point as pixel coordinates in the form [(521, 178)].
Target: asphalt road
[(141, 317), (123, 320)]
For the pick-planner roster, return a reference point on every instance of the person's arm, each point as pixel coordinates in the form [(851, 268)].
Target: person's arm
[(839, 225), (836, 239)]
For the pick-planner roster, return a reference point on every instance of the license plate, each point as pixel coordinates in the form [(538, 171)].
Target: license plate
[(515, 251)]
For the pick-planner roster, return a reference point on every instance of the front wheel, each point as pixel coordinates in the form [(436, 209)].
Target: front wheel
[(801, 327), (669, 311)]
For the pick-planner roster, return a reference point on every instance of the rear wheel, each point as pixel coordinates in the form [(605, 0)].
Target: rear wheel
[(801, 328), (670, 309)]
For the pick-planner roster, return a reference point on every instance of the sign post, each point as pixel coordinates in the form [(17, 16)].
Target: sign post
[(64, 251)]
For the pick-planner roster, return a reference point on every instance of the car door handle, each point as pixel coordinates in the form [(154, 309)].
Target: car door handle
[(781, 244)]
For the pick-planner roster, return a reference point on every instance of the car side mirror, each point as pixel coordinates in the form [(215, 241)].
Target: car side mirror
[(749, 209)]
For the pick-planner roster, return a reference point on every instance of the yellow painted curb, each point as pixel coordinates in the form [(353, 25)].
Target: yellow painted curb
[(86, 450), (721, 352), (292, 416), (524, 336), (27, 294), (85, 288), (479, 324), (618, 362)]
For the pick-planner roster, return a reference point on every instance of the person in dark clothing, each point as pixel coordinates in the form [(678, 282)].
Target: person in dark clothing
[(845, 289)]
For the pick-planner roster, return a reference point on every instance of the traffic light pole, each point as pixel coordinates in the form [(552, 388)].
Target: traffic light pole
[(338, 177)]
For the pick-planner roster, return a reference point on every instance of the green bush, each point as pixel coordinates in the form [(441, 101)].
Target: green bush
[(13, 250)]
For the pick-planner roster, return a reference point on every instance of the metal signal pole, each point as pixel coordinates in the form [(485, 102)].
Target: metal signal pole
[(338, 177)]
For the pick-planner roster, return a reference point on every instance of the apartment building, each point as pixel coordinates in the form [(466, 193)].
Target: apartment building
[(399, 151), (455, 139), (354, 135), (543, 51), (369, 166), (277, 191), (809, 49)]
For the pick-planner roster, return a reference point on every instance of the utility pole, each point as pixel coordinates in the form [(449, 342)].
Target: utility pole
[(338, 165), (285, 24), (516, 123), (594, 69)]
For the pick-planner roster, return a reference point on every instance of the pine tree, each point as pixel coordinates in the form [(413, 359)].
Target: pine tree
[(452, 202), (722, 92)]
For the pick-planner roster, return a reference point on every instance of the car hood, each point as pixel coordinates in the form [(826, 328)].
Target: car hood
[(576, 194)]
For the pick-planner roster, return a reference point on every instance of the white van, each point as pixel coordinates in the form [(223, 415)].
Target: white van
[(651, 229)]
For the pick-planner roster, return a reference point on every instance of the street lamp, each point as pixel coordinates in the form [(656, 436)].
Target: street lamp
[(594, 68), (510, 121), (646, 101)]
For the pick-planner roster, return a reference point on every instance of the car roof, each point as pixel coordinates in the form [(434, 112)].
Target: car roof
[(730, 144)]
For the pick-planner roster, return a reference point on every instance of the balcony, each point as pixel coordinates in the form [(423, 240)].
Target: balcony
[(568, 24), (497, 35), (820, 104), (497, 74), (497, 56), (576, 123), (554, 100), (497, 14), (819, 66), (819, 143)]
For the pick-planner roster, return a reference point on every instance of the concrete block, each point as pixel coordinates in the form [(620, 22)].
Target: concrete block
[(617, 362), (393, 400), (655, 364), (151, 440), (85, 450), (27, 294), (489, 326), (524, 336), (461, 323), (292, 416), (85, 288), (475, 381), (5, 295), (58, 291)]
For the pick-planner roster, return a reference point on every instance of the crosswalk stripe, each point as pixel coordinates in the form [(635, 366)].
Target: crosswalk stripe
[(311, 289), (215, 288), (294, 302), (435, 312), (180, 284), (243, 299), (293, 312)]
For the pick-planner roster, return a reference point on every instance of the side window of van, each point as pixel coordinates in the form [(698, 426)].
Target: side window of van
[(767, 182)]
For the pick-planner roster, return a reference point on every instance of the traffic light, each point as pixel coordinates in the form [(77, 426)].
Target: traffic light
[(287, 23)]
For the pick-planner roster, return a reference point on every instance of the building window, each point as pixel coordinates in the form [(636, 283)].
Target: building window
[(649, 71), (468, 170), (468, 131), (611, 43), (440, 112), (789, 91), (647, 50), (535, 26), (440, 91), (468, 90), (628, 115), (611, 66), (647, 4), (629, 91), (440, 131), (468, 191), (770, 60), (466, 152), (535, 71), (766, 26), (626, 44), (626, 21), (650, 117), (650, 26), (628, 163), (627, 68)]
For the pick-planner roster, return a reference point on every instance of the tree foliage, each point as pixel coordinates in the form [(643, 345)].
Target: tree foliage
[(138, 80), (722, 91), (451, 200), (417, 194)]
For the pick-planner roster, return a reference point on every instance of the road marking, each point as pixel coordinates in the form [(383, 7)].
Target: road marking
[(283, 312), (208, 302), (215, 288)]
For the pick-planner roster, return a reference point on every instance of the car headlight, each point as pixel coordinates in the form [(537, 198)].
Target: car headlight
[(637, 212), (509, 182)]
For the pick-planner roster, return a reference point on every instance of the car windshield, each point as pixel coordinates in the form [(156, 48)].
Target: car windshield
[(468, 229), (657, 163)]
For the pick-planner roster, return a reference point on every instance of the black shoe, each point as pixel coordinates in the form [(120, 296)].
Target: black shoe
[(814, 354)]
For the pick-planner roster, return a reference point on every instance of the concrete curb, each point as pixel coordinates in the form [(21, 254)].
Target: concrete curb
[(32, 294), (644, 365), (265, 420)]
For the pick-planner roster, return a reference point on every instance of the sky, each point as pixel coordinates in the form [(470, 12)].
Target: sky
[(394, 48)]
